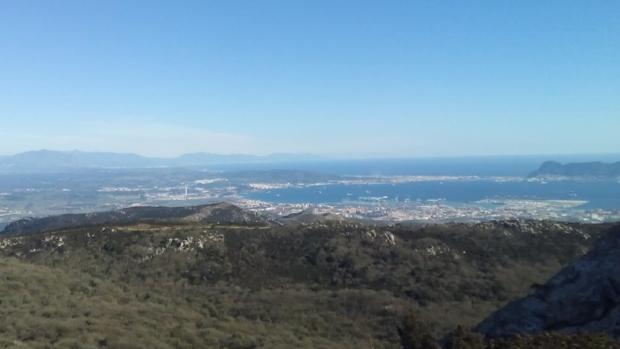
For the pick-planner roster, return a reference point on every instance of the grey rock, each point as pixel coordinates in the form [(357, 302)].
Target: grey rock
[(583, 297)]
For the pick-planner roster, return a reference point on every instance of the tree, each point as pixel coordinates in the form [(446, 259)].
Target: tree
[(415, 334)]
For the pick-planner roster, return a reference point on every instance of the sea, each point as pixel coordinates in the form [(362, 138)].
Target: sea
[(596, 194)]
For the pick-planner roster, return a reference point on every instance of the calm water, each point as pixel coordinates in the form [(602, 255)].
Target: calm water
[(457, 166), (604, 195)]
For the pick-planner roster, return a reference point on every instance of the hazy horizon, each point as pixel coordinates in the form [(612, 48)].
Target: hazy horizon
[(604, 157)]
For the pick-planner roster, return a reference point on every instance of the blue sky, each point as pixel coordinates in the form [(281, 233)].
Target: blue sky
[(346, 78)]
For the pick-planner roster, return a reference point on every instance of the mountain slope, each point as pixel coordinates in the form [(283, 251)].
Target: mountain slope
[(325, 284), (219, 213), (583, 297)]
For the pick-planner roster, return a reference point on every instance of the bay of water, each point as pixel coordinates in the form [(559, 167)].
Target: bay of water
[(599, 194), (455, 166)]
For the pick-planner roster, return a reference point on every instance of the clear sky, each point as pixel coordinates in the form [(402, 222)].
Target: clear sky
[(348, 78)]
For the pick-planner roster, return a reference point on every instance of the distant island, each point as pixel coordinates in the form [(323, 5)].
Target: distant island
[(580, 169)]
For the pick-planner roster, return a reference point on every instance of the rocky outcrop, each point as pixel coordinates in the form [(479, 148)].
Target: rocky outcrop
[(219, 213), (583, 297)]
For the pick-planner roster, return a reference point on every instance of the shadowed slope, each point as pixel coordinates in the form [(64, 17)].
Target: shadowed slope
[(583, 297)]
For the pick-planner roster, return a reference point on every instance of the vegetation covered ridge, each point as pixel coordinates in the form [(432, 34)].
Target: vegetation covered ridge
[(314, 284)]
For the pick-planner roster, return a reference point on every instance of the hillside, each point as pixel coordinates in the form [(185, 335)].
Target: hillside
[(219, 213), (583, 297), (325, 284)]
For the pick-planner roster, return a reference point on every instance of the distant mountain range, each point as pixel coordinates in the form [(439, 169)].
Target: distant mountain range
[(42, 161), (48, 160), (579, 169)]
